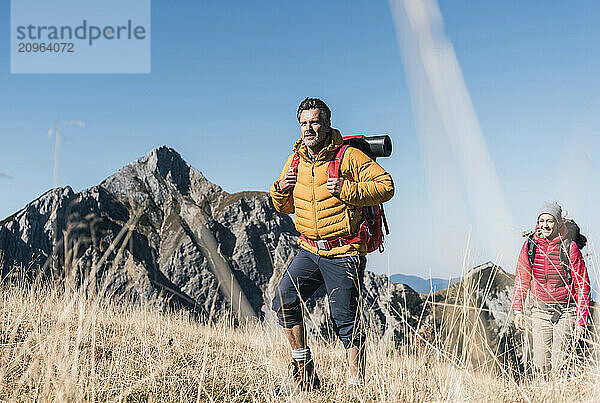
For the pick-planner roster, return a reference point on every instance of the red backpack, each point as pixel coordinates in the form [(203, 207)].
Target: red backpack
[(370, 230)]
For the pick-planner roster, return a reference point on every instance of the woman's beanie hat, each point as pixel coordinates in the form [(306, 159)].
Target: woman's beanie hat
[(551, 207)]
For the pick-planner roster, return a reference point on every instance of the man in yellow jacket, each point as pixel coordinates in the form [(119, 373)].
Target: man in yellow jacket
[(328, 212)]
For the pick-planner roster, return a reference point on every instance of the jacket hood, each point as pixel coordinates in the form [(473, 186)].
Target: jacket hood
[(562, 233), (332, 143)]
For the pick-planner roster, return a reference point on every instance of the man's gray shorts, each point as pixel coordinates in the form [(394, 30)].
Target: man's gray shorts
[(343, 279)]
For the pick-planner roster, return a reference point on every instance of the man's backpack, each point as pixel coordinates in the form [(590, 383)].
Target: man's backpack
[(371, 229), (573, 234)]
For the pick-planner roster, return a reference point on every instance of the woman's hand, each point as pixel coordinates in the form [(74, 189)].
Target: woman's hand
[(519, 320), (579, 331)]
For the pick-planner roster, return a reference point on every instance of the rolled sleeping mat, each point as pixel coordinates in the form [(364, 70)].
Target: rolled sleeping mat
[(373, 146)]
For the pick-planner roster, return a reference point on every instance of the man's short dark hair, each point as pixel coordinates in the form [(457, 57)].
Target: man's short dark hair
[(315, 103)]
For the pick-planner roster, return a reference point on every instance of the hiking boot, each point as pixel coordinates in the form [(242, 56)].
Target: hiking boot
[(304, 375)]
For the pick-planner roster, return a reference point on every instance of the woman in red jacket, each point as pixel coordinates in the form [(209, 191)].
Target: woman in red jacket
[(560, 299)]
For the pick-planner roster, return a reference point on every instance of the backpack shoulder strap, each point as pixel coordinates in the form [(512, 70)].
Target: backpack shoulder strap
[(333, 171), (294, 164), (531, 249), (565, 247)]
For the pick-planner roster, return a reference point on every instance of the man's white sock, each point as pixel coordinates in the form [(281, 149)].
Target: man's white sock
[(301, 354)]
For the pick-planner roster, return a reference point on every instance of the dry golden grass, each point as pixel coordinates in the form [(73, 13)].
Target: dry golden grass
[(57, 344)]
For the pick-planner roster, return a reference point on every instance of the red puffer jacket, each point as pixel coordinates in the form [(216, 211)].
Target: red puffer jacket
[(549, 283)]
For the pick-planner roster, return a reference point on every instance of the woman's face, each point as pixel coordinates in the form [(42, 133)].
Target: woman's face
[(547, 225)]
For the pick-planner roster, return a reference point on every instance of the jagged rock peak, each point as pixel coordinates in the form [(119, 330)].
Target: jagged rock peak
[(484, 268), (164, 159), (169, 164), (51, 199), (56, 193), (155, 173)]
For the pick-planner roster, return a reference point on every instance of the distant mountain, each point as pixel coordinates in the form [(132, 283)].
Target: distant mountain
[(422, 285)]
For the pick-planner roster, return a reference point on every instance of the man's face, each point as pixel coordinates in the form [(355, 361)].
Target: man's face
[(313, 129), (547, 225)]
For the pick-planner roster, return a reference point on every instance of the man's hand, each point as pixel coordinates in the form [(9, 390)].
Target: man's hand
[(519, 321), (579, 331), (288, 181), (334, 185)]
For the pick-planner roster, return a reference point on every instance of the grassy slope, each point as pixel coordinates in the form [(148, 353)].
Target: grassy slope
[(61, 345)]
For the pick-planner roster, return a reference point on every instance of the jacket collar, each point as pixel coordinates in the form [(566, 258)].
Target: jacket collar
[(332, 143)]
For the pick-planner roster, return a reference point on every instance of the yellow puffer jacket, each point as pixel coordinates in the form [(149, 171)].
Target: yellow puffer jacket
[(321, 215)]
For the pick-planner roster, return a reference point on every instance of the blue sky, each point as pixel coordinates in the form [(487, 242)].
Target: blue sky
[(226, 79)]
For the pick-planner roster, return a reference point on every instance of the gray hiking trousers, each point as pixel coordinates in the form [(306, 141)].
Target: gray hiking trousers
[(552, 342)]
